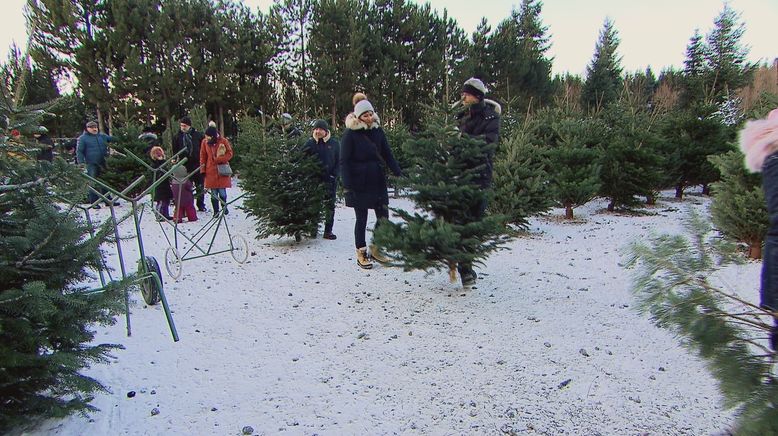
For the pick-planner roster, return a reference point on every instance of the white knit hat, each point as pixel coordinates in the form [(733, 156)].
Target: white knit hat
[(362, 107), (474, 87)]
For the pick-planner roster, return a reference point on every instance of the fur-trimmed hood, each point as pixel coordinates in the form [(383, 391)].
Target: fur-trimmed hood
[(354, 123), (325, 139), (496, 106), (759, 139)]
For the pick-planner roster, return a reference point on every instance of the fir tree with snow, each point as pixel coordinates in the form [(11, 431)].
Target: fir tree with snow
[(283, 191), (442, 184), (47, 252)]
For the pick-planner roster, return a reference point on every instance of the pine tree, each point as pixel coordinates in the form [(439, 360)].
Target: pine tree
[(575, 175), (283, 190), (46, 252), (630, 165), (573, 157), (726, 58), (738, 208), (336, 46), (124, 169), (603, 75), (441, 182), (671, 283), (696, 133), (521, 179), (695, 71), (521, 67), (478, 62), (76, 34)]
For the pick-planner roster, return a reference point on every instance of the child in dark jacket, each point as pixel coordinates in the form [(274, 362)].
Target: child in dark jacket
[(162, 193), (183, 196)]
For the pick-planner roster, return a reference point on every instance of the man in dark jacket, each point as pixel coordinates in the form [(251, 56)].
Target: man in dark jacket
[(189, 139), (91, 150), (325, 147), (481, 120)]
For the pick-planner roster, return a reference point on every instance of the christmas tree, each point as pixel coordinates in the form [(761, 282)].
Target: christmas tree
[(630, 160), (521, 181), (282, 183), (442, 183), (46, 253), (672, 284), (573, 158), (738, 208)]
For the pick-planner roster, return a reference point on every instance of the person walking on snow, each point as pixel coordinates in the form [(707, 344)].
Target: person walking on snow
[(480, 119), (327, 149), (364, 157), (189, 139), (215, 150), (91, 151)]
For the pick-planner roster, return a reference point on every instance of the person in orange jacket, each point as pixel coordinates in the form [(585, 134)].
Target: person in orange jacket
[(215, 150)]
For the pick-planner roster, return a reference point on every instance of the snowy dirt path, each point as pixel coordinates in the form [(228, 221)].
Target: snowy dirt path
[(300, 341)]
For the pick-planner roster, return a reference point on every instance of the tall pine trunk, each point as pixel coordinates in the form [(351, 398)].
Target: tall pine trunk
[(679, 191), (569, 211), (755, 249)]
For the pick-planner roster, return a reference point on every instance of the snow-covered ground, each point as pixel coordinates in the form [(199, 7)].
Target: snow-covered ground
[(301, 341)]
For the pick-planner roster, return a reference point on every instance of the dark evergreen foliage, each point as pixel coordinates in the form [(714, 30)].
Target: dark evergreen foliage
[(630, 162), (573, 157), (696, 133), (521, 69), (122, 168)]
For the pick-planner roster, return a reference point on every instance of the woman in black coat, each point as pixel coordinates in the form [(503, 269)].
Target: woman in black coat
[(364, 157)]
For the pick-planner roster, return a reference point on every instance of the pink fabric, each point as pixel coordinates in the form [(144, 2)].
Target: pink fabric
[(184, 201), (759, 139)]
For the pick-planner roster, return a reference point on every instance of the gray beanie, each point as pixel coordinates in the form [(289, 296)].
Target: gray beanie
[(362, 107), (474, 87), (321, 124)]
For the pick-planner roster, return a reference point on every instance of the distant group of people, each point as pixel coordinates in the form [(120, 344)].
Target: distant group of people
[(361, 157)]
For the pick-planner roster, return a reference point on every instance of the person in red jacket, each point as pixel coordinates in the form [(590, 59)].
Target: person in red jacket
[(215, 150)]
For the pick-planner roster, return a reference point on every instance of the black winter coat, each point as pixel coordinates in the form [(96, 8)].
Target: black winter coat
[(482, 121), (192, 154), (47, 148), (163, 191), (364, 156), (327, 150)]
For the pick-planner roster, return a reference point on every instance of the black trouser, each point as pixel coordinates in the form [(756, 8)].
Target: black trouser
[(361, 225), (329, 208), (476, 212), (197, 181), (769, 288)]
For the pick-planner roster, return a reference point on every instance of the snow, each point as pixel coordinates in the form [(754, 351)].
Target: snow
[(300, 341)]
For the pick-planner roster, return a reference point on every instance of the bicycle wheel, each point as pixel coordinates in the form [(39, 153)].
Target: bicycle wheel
[(173, 263), (149, 287), (240, 249)]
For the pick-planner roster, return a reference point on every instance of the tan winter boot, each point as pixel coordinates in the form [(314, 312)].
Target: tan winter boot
[(379, 257), (362, 259)]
